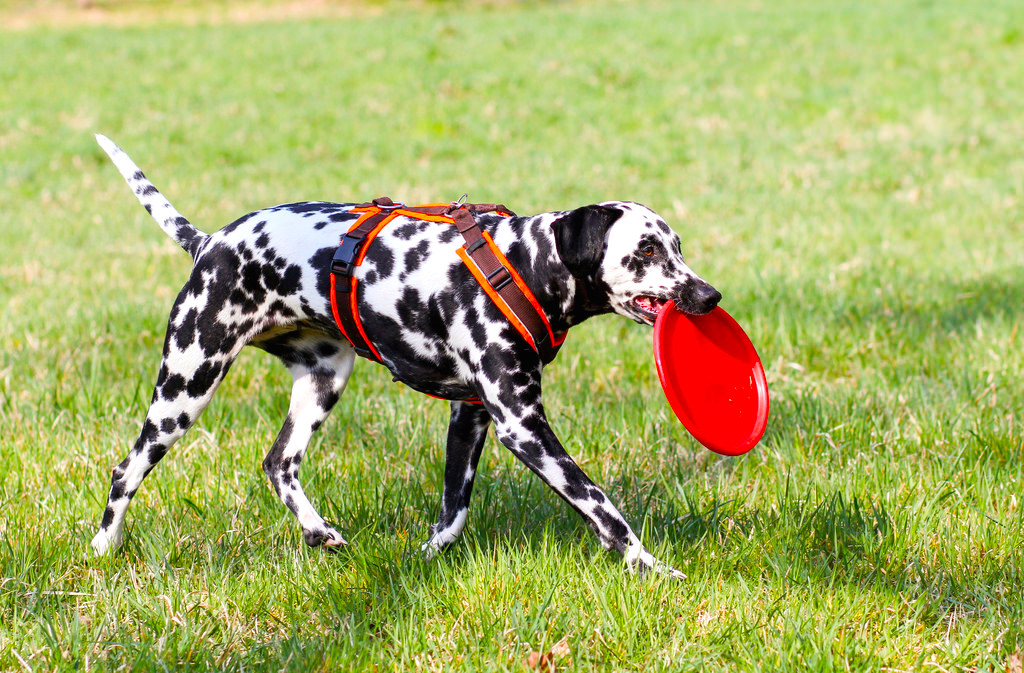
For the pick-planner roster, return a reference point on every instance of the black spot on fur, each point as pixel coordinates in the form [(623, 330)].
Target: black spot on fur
[(639, 263), (304, 207), (173, 386), (185, 333), (271, 279), (147, 436), (214, 337), (409, 306), (326, 349), (239, 222), (405, 231), (203, 379), (321, 262), (476, 329), (242, 302), (616, 528), (291, 280), (279, 309), (252, 278), (271, 464), (415, 255), (517, 224), (327, 397), (116, 490), (156, 452), (384, 260)]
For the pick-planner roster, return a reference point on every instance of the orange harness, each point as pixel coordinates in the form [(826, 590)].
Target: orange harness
[(489, 266)]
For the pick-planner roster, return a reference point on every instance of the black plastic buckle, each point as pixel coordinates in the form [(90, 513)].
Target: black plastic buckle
[(475, 245), (364, 352), (344, 256), (501, 283)]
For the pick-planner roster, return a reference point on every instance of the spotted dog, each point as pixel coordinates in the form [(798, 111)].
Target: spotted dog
[(264, 280)]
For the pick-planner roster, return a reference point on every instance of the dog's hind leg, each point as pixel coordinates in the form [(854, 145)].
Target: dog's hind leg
[(467, 432), (184, 387), (321, 368)]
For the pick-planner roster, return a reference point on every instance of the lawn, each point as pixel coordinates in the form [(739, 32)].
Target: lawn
[(851, 178)]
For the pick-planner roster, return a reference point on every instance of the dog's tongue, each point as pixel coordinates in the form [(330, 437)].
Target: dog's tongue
[(649, 304)]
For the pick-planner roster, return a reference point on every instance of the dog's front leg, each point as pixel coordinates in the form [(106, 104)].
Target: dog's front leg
[(467, 431), (514, 402)]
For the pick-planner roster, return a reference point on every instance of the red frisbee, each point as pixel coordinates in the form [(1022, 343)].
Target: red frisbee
[(712, 378)]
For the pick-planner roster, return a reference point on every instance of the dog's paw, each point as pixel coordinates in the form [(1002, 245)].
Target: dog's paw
[(431, 548), (440, 539), (656, 568), (105, 542), (323, 536), (668, 571), (642, 562)]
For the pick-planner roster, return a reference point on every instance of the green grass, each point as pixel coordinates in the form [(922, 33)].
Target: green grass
[(850, 178)]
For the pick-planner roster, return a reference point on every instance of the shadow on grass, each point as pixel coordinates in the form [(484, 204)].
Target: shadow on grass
[(808, 539), (949, 307), (955, 305)]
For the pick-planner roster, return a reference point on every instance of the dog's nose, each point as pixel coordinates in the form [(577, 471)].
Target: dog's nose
[(698, 297), (708, 298)]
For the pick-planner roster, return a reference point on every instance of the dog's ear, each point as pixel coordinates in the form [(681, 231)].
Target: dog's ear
[(580, 238)]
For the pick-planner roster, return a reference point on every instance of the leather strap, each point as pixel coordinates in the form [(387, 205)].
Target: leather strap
[(499, 279)]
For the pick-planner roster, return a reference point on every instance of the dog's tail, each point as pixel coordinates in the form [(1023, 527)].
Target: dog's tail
[(169, 219)]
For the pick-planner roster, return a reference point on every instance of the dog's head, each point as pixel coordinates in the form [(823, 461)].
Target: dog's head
[(627, 253)]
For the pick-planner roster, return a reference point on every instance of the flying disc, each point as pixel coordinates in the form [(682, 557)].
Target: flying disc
[(712, 378)]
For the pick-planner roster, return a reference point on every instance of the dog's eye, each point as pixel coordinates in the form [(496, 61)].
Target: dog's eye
[(647, 250)]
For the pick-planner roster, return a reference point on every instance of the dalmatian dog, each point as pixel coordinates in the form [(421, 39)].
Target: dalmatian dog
[(264, 281)]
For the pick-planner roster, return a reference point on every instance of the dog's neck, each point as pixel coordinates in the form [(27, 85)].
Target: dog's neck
[(566, 300), (589, 299)]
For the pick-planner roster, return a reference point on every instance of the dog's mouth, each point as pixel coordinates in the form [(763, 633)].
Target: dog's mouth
[(648, 307)]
